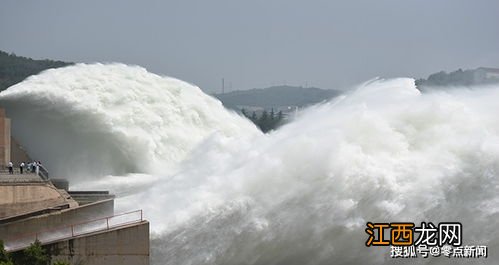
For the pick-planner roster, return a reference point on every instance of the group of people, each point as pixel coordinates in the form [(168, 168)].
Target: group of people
[(28, 167)]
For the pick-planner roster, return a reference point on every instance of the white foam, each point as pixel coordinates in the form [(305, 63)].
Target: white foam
[(301, 194), (113, 119)]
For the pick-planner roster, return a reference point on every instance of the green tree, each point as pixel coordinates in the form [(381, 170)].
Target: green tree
[(243, 111), (254, 118), (33, 255), (4, 256), (266, 122), (263, 122)]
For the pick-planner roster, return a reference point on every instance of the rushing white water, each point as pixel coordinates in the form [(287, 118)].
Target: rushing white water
[(299, 195), (113, 119)]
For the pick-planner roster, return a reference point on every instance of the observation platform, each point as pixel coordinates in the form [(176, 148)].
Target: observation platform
[(71, 225), (24, 195), (6, 178), (79, 227)]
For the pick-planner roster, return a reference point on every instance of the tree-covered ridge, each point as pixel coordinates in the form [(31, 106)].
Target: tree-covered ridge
[(460, 78), (14, 69)]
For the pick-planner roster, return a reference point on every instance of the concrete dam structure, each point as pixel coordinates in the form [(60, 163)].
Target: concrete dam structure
[(79, 227)]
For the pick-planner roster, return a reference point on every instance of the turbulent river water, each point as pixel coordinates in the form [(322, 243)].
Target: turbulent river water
[(218, 191)]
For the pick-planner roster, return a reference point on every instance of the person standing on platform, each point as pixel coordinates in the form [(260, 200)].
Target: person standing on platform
[(21, 167), (11, 168)]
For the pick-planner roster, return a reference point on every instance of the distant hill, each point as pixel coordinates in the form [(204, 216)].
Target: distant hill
[(14, 69), (459, 78), (276, 96)]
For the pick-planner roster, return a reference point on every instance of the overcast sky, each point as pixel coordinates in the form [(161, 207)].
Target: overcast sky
[(259, 43)]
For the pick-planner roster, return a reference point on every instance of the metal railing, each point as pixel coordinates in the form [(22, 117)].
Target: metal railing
[(41, 171), (67, 232)]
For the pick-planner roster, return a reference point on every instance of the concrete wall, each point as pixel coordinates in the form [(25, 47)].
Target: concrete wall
[(4, 139), (57, 219), (18, 154), (124, 246), (16, 199), (10, 149), (86, 197), (7, 141)]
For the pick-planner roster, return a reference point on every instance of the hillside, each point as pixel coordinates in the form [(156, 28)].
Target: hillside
[(459, 78), (277, 96), (14, 69)]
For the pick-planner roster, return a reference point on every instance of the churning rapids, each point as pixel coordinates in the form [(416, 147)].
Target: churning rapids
[(218, 191)]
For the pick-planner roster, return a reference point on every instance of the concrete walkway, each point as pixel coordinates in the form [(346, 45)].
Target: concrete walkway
[(5, 177)]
